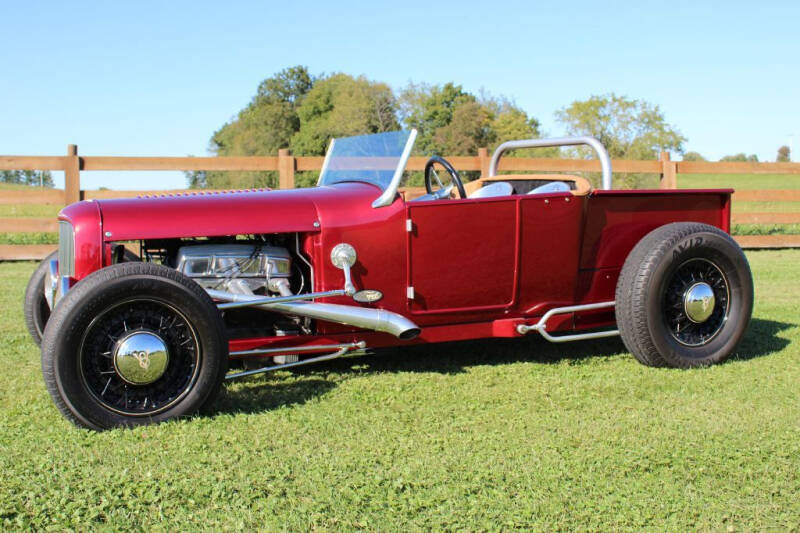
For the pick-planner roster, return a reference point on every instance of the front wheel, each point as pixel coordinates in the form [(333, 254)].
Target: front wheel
[(133, 343), (684, 296)]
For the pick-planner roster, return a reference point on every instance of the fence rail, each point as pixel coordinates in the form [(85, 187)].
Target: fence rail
[(286, 165)]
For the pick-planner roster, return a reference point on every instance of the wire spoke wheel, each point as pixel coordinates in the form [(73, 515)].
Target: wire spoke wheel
[(684, 296), (696, 302), (139, 357)]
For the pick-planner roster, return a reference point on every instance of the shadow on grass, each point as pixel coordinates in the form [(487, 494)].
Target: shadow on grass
[(762, 339), (268, 391)]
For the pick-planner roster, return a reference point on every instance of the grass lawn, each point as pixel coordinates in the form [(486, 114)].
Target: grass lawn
[(738, 181), (29, 210), (485, 435), (38, 237)]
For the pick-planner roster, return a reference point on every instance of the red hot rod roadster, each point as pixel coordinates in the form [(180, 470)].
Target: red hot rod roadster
[(291, 277)]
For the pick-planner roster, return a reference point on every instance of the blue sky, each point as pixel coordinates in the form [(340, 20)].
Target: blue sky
[(157, 78)]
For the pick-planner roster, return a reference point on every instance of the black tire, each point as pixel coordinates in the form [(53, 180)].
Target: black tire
[(82, 340), (662, 270), (35, 307)]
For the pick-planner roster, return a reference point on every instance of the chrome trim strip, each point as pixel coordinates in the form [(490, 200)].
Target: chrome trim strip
[(341, 349), (325, 162), (391, 191), (602, 154), (541, 326)]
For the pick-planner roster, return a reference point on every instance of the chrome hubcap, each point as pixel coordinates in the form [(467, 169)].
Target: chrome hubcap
[(698, 302), (141, 357)]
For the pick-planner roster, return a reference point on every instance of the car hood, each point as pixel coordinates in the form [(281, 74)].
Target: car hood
[(206, 214)]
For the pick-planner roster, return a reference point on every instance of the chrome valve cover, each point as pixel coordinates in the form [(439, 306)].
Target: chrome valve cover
[(211, 264)]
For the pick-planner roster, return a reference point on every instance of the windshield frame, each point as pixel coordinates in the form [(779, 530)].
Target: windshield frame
[(388, 194)]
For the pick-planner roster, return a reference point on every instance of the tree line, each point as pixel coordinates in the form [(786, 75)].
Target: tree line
[(297, 110), (35, 178)]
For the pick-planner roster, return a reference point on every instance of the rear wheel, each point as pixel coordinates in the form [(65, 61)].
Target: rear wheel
[(132, 344), (684, 296), (36, 309)]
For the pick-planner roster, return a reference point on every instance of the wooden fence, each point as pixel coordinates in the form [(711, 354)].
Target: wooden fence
[(286, 165)]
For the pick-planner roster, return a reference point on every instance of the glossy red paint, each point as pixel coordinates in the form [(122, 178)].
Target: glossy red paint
[(88, 230), (478, 267), (617, 220), (454, 266), (206, 215)]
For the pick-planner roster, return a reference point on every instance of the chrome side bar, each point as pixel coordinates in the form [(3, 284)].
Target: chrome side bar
[(341, 349), (240, 300), (600, 150), (541, 326)]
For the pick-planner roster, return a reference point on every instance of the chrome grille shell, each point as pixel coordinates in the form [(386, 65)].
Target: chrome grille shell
[(66, 249)]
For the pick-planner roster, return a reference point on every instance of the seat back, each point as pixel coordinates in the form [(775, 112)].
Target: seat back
[(553, 186), (496, 188)]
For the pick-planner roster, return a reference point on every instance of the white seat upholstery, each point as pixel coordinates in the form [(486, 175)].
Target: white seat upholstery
[(553, 186), (497, 188)]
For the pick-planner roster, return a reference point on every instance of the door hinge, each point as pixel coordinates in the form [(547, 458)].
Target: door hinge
[(410, 293), (409, 225)]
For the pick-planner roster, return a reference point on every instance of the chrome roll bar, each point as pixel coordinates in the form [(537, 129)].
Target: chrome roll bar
[(600, 150)]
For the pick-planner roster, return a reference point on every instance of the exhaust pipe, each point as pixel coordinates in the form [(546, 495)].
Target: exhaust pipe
[(374, 319)]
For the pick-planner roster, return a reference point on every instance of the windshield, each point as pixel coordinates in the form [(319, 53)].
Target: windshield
[(378, 159)]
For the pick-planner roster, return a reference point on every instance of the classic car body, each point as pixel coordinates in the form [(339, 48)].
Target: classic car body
[(389, 270)]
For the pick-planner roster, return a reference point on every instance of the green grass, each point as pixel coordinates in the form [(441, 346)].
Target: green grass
[(479, 436), (15, 187), (29, 210), (40, 237), (765, 207), (738, 181), (765, 229)]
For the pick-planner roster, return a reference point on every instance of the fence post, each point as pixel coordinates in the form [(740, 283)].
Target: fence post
[(669, 172), (72, 175), (483, 156), (286, 164)]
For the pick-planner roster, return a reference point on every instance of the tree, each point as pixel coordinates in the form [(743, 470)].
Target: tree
[(453, 121), (35, 178), (784, 154), (296, 110), (341, 105), (740, 158), (264, 126), (431, 107), (629, 129), (693, 156)]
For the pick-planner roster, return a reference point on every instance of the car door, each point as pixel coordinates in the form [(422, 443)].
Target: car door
[(462, 255)]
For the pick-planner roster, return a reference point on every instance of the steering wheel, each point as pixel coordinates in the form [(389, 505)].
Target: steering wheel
[(442, 192)]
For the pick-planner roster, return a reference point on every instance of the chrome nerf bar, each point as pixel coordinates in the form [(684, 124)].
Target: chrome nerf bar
[(341, 349), (541, 326), (600, 150)]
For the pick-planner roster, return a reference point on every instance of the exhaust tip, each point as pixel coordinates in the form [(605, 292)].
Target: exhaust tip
[(409, 334)]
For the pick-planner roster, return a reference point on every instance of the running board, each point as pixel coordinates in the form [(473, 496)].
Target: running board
[(341, 349), (541, 326)]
